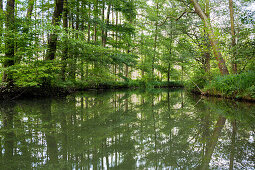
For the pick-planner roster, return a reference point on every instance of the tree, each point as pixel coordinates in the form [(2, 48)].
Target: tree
[(9, 54), (65, 50), (234, 64), (30, 8), (52, 41), (214, 43)]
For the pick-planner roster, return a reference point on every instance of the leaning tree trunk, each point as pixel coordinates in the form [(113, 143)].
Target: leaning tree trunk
[(52, 41), (9, 43), (234, 64), (214, 43)]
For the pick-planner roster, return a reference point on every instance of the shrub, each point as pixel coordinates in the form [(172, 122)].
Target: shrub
[(238, 85)]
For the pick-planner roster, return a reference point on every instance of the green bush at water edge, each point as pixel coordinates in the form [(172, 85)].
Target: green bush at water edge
[(236, 86)]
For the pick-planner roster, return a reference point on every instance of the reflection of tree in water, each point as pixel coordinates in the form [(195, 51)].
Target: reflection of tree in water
[(7, 130), (126, 130)]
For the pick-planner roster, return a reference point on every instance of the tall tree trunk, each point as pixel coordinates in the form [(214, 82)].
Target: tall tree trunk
[(9, 43), (207, 55), (168, 73), (214, 43), (96, 16), (234, 64), (117, 19), (126, 66), (170, 52), (155, 43), (65, 51), (1, 5), (52, 42), (103, 27), (89, 23), (107, 23), (72, 73), (77, 22), (1, 18), (30, 8)]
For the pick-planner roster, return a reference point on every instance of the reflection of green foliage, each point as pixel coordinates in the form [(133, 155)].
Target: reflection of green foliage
[(149, 129)]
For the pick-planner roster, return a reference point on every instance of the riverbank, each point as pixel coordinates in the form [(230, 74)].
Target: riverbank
[(68, 88), (236, 86)]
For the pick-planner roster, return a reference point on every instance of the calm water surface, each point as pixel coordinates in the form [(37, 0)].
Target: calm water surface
[(157, 129)]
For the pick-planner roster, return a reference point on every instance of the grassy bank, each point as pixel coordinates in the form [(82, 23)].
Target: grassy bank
[(236, 86), (239, 86)]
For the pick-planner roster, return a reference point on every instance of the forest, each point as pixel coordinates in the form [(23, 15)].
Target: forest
[(113, 84), (52, 46)]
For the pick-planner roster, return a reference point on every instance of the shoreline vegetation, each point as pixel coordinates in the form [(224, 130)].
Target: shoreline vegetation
[(54, 91), (54, 48), (239, 87), (234, 86)]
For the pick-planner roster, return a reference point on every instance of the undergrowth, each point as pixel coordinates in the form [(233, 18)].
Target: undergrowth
[(235, 86)]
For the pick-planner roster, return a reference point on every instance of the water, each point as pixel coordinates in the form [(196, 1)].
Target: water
[(157, 129)]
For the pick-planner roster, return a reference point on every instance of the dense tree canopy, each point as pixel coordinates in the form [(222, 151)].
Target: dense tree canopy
[(68, 42)]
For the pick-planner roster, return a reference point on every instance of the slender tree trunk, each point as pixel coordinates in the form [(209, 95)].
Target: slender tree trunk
[(113, 36), (9, 43), (65, 51), (127, 68), (207, 61), (89, 24), (52, 41), (207, 54), (168, 72), (170, 53), (214, 43), (234, 64), (1, 18), (103, 27), (107, 23), (30, 8), (77, 22), (155, 43), (96, 16), (117, 19), (74, 57)]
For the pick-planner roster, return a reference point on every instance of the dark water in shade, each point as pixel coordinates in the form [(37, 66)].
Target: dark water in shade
[(157, 129)]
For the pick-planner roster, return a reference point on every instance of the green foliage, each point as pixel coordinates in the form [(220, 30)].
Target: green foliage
[(240, 85), (199, 78), (109, 43), (34, 74)]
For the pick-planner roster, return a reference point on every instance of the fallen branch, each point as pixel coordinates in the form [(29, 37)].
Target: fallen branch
[(194, 83)]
